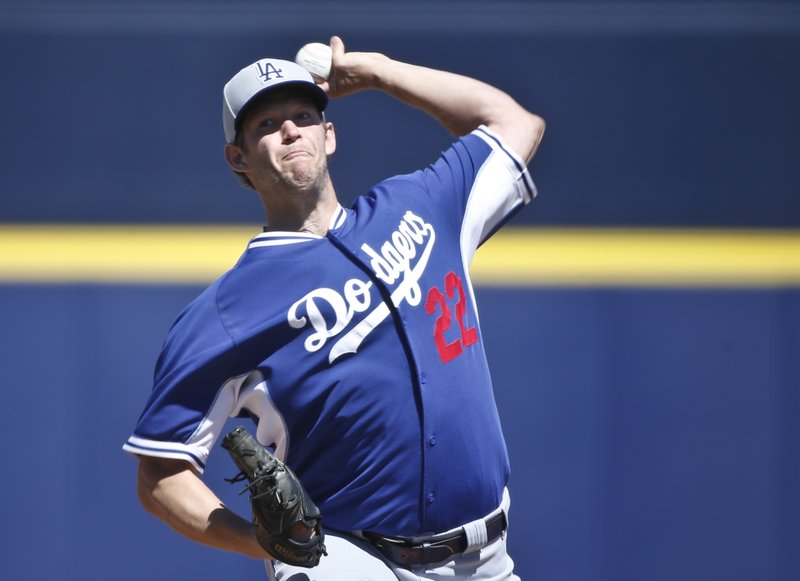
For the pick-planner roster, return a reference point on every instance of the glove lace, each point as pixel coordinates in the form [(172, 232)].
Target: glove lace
[(238, 478), (252, 486)]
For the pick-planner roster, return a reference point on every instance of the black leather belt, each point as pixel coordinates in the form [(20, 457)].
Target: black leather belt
[(406, 552)]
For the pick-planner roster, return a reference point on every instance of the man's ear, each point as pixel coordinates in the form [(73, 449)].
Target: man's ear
[(235, 158), (330, 139)]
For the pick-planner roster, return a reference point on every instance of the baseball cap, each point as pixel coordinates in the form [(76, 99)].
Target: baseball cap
[(258, 78)]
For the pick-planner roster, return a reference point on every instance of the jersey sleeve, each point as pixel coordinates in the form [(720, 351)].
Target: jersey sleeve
[(484, 180), (196, 387)]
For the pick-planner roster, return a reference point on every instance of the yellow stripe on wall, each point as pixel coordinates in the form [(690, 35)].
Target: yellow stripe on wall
[(138, 254), (513, 257), (612, 257)]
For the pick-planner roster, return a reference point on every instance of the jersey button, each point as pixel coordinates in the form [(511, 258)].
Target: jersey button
[(432, 441), (431, 498)]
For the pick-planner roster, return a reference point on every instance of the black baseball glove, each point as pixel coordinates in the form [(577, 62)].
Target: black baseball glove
[(286, 521)]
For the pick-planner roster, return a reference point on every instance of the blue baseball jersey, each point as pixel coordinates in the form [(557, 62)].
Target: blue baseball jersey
[(358, 354)]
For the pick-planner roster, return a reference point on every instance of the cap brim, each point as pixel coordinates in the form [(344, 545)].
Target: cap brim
[(311, 90)]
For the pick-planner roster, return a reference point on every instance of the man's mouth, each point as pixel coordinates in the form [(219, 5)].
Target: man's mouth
[(294, 154)]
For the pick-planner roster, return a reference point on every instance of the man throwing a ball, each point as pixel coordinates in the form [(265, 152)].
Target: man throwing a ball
[(350, 336)]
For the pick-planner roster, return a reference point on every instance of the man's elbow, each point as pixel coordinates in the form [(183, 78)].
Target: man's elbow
[(535, 130), (152, 477), (523, 133), (538, 127), (146, 482)]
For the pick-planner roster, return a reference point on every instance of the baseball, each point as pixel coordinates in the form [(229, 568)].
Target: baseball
[(316, 58)]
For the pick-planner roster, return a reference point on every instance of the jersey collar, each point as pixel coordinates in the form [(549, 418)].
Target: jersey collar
[(278, 238)]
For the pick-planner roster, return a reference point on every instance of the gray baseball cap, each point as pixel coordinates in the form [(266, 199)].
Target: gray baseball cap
[(256, 79)]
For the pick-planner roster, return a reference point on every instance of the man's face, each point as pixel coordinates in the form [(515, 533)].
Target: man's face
[(285, 143)]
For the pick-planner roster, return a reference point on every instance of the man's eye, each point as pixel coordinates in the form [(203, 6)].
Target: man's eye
[(304, 118), (268, 125)]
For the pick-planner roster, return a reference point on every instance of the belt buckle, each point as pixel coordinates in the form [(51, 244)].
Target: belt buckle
[(406, 552)]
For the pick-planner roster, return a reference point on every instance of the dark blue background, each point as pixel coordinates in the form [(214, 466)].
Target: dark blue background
[(653, 432), (693, 125)]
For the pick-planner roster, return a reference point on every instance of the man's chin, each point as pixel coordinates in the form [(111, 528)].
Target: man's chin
[(302, 182), (302, 176)]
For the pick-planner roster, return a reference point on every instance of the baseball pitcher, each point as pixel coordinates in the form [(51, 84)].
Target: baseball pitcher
[(347, 340)]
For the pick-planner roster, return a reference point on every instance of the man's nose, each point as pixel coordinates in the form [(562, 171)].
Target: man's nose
[(289, 131)]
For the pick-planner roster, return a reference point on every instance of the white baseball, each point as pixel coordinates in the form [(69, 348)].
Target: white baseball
[(316, 58)]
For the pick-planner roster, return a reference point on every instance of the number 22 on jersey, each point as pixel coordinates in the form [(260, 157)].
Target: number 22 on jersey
[(438, 301)]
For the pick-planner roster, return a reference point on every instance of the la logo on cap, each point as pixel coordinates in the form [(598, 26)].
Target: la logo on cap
[(266, 70)]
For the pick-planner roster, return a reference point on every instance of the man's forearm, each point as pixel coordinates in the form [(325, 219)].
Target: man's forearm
[(173, 492), (461, 103), (458, 102)]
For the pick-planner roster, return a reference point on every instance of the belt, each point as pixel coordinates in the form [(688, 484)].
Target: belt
[(405, 551)]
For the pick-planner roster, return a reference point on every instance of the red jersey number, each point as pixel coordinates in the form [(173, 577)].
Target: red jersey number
[(437, 300)]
